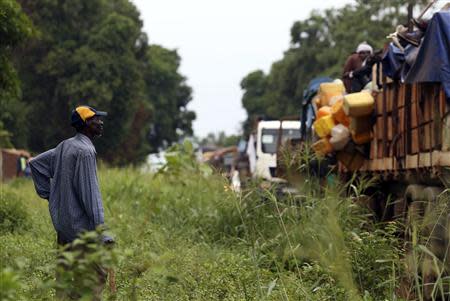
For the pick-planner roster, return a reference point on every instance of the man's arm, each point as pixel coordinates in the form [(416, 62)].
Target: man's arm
[(86, 185), (41, 171), (350, 65)]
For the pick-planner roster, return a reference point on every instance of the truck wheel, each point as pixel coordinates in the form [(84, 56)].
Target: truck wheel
[(435, 239), (400, 209), (416, 207), (414, 212), (413, 193), (434, 218)]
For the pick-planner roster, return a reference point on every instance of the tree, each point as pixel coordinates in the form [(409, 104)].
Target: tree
[(254, 99), (169, 94), (220, 140), (94, 52), (15, 28), (86, 58)]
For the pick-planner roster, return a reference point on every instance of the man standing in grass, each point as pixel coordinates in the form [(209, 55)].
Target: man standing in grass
[(66, 176)]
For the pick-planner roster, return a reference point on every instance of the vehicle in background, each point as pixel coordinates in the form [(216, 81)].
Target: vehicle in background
[(269, 136), (408, 149), (154, 162), (222, 160), (14, 163)]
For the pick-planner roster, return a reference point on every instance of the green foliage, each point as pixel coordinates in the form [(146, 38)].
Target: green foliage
[(15, 27), (324, 239), (220, 140), (13, 215), (79, 262), (181, 159), (10, 285), (94, 52), (169, 94), (182, 235)]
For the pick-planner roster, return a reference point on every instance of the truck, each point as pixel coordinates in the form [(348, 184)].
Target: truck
[(269, 135), (409, 152)]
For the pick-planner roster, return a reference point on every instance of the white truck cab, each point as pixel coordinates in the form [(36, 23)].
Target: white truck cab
[(267, 145)]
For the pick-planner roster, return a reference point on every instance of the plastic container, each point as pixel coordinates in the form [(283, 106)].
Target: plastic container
[(329, 90), (335, 99), (359, 125), (337, 110), (358, 104), (323, 126), (323, 111), (336, 87), (340, 136), (322, 147), (339, 143), (362, 138), (316, 101), (340, 130)]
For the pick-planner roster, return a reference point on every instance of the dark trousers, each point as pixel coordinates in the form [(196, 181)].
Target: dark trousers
[(71, 293)]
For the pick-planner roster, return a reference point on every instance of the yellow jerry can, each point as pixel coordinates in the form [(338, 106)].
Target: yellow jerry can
[(358, 104), (337, 110), (323, 126), (328, 91)]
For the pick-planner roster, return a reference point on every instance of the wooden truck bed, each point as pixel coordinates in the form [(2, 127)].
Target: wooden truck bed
[(411, 132)]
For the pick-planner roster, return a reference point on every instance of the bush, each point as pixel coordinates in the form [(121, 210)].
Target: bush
[(182, 235), (13, 215), (9, 284), (80, 263)]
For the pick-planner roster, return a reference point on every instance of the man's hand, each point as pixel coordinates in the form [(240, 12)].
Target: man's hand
[(108, 240)]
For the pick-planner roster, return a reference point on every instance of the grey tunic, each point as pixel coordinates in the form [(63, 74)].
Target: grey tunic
[(67, 177)]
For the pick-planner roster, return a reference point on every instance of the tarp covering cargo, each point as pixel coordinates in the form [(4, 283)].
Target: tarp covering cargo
[(433, 60)]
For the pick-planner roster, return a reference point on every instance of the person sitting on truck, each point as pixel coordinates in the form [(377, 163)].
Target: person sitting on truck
[(355, 62)]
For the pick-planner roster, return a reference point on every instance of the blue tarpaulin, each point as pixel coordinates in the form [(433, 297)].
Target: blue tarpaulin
[(392, 61), (433, 60)]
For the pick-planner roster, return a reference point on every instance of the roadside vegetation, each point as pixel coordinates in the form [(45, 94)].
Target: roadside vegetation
[(182, 234)]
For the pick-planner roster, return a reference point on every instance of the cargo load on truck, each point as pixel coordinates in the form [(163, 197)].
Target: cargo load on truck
[(400, 121), (396, 130)]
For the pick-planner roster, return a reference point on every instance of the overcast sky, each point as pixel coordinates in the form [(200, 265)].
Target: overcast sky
[(219, 43)]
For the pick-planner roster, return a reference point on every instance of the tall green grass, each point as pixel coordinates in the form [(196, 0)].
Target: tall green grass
[(183, 235)]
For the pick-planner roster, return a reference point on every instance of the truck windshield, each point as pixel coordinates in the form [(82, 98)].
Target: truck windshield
[(269, 138)]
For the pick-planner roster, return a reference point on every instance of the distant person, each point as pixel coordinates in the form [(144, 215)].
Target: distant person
[(27, 171), (66, 176), (21, 166), (357, 60), (251, 145)]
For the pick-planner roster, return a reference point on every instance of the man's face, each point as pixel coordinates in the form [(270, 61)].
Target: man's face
[(94, 126), (363, 54)]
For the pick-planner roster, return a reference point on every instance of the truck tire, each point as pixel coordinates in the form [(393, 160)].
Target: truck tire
[(414, 213), (416, 207), (412, 193), (400, 209), (435, 234)]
